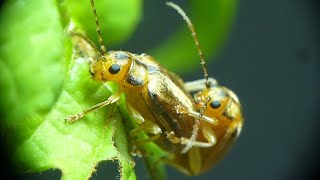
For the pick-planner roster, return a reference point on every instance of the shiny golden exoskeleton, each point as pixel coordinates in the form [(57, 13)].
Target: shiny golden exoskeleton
[(152, 92), (221, 104), (156, 97), (194, 131), (224, 106)]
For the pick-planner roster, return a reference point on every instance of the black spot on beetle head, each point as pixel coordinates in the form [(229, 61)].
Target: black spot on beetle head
[(215, 104), (114, 68)]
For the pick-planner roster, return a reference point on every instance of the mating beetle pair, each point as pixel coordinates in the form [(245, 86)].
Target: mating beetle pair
[(195, 130)]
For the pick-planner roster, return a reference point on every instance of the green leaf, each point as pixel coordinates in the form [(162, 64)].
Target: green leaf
[(41, 84), (212, 20)]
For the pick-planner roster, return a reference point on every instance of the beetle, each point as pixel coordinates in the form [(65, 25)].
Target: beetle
[(187, 128), (222, 104), (213, 101)]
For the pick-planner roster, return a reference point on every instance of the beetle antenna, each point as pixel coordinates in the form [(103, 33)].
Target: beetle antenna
[(102, 47), (195, 38), (204, 68)]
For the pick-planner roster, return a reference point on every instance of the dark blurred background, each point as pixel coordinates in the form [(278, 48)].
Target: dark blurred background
[(271, 60)]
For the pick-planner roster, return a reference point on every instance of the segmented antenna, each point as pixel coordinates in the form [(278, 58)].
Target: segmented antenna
[(195, 38), (102, 47)]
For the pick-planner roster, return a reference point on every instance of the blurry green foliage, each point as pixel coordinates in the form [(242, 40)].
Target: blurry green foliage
[(41, 82)]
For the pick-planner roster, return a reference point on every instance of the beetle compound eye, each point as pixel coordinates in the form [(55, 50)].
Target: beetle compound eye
[(215, 104), (114, 68)]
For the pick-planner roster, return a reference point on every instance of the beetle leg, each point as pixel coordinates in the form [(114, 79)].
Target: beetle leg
[(199, 84), (135, 115), (193, 137), (135, 132), (204, 118), (199, 117), (136, 150), (185, 141), (209, 134), (172, 137), (143, 125), (112, 99), (151, 128), (137, 143), (147, 140), (146, 125), (182, 110)]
